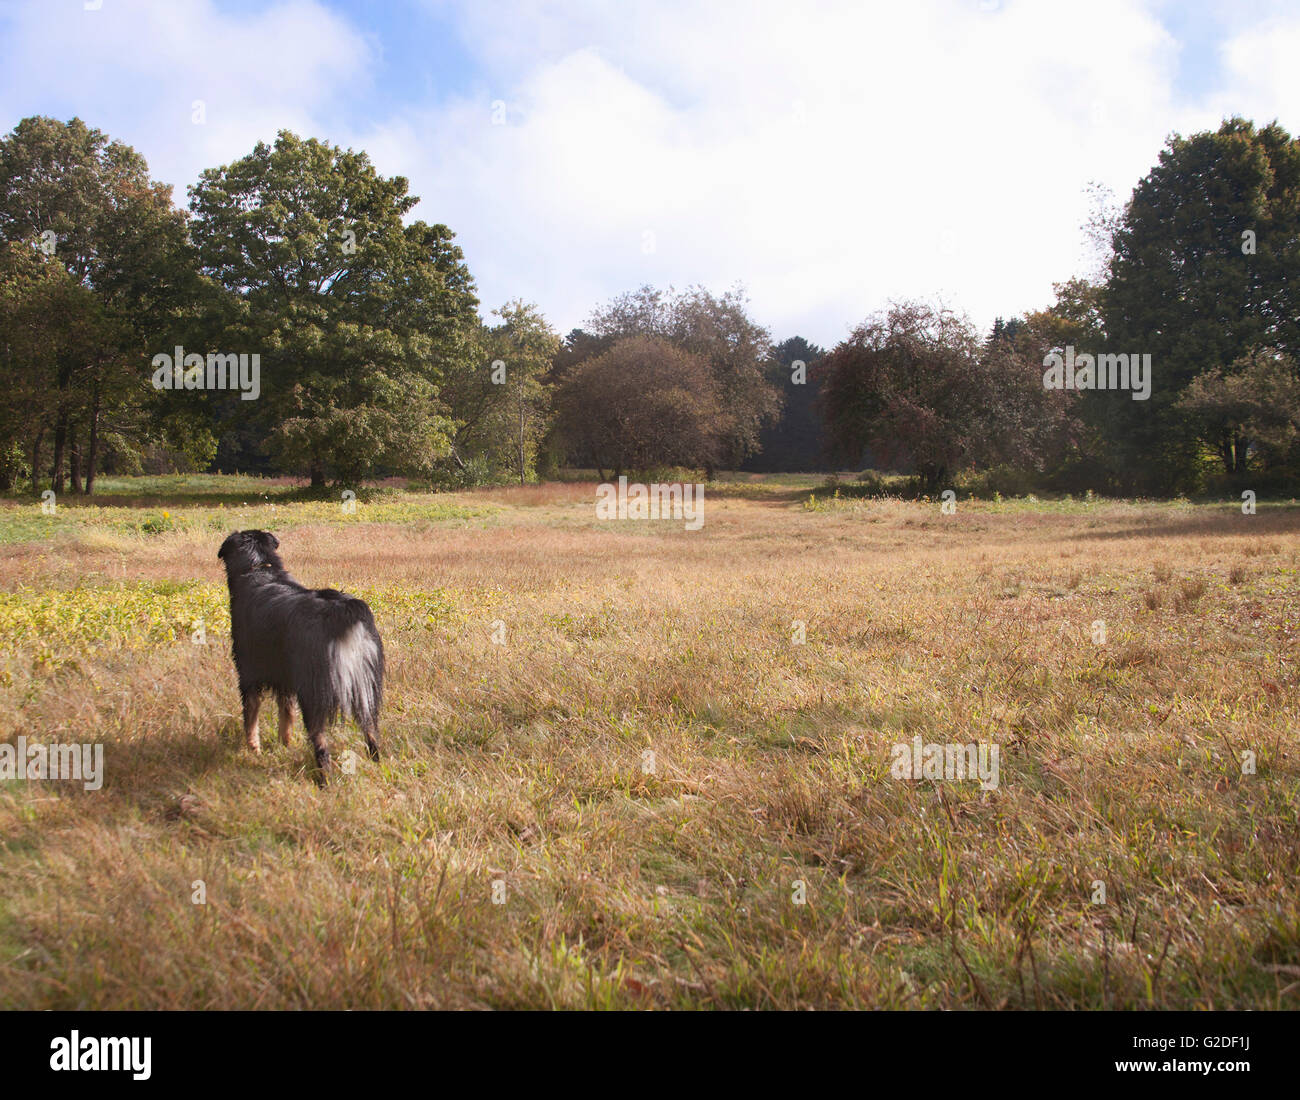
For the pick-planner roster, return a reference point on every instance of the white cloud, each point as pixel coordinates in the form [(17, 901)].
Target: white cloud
[(1264, 65), (829, 155), (136, 69)]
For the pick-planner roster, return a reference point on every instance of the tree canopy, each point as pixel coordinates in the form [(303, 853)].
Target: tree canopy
[(643, 404), (86, 204), (719, 330), (357, 317), (372, 358), (1204, 272)]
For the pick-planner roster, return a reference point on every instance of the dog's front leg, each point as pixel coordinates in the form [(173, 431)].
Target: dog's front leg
[(252, 704), (286, 717)]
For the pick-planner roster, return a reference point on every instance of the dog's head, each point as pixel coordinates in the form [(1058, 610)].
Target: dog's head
[(244, 551)]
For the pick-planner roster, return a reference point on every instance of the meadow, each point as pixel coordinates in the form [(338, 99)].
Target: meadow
[(629, 765)]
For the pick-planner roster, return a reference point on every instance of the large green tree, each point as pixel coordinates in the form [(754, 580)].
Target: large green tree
[(87, 204), (500, 402), (523, 346), (1206, 269), (357, 317), (48, 320)]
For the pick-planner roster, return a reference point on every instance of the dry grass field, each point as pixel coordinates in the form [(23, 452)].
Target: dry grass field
[(620, 774)]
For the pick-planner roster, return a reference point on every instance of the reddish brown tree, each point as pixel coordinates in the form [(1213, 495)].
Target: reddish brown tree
[(643, 404), (916, 386)]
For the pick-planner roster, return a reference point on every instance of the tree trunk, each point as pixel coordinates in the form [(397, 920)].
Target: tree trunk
[(36, 462), (60, 440), (932, 478), (92, 449), (74, 460), (317, 474), (1225, 453), (521, 436)]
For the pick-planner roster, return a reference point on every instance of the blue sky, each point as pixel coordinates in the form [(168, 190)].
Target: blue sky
[(828, 156)]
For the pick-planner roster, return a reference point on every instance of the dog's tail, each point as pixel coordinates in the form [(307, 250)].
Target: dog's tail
[(356, 660)]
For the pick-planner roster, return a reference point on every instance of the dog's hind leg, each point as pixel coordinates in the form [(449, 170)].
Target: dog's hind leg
[(286, 716), (371, 731), (315, 722), (252, 704), (322, 751)]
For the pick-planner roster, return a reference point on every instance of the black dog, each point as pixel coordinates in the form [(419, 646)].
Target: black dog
[(319, 646)]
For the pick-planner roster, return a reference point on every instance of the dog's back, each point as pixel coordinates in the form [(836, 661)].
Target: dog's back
[(320, 646)]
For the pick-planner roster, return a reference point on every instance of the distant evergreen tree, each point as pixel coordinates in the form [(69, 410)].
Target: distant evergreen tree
[(794, 443), (1005, 330)]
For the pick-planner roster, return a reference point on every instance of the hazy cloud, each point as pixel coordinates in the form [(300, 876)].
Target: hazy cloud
[(830, 156)]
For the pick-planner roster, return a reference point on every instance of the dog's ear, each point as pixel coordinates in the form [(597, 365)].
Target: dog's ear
[(268, 539), (228, 545)]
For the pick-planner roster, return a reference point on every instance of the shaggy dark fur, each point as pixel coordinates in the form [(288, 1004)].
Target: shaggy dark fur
[(318, 646)]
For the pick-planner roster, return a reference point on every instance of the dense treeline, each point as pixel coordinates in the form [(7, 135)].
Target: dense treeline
[(291, 320)]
